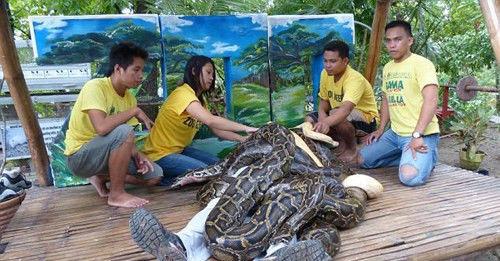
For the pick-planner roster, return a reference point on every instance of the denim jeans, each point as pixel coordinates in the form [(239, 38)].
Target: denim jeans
[(392, 150), (176, 164)]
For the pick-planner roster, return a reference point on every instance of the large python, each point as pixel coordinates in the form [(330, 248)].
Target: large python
[(255, 148), (248, 187), (277, 200)]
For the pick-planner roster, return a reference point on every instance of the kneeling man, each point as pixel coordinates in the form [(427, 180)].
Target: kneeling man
[(347, 104)]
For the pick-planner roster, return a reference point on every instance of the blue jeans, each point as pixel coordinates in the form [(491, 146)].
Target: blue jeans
[(392, 150), (176, 164)]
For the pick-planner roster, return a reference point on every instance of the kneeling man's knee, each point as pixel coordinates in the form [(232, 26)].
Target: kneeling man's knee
[(410, 176), (364, 161), (124, 132)]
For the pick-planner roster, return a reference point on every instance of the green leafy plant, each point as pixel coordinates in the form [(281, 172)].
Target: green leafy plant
[(471, 126)]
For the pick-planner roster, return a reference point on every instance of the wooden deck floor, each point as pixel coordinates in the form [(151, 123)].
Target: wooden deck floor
[(456, 213)]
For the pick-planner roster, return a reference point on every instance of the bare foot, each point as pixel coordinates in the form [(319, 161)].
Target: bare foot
[(126, 200), (99, 182)]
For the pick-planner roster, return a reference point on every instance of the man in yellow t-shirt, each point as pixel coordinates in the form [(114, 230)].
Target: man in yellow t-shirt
[(409, 102), (100, 138), (347, 104)]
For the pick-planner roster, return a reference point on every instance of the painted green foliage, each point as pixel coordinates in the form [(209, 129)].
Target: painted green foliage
[(242, 45), (94, 47), (291, 55), (60, 172)]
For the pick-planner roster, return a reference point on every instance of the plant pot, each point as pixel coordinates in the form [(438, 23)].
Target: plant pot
[(8, 210), (471, 163)]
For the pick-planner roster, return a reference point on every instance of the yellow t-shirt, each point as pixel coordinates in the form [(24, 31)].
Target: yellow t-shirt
[(402, 84), (174, 129), (353, 87), (96, 94)]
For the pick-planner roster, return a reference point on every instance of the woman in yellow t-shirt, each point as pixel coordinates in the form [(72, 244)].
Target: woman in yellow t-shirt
[(179, 119)]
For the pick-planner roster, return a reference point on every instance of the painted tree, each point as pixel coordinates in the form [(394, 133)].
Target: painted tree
[(255, 58)]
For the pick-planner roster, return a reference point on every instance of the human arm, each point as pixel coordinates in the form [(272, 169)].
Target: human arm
[(321, 125), (197, 111), (229, 135), (340, 113), (384, 119), (427, 112), (103, 123)]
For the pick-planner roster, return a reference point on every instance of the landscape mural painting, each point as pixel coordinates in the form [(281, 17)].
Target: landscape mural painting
[(88, 39), (59, 40), (254, 85), (238, 44), (295, 54)]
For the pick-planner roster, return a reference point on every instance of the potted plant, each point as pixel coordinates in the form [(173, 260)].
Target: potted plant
[(471, 126)]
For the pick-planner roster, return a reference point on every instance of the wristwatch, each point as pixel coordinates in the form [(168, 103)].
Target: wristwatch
[(416, 135)]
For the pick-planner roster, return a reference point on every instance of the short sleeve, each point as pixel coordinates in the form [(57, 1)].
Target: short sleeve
[(426, 74), (92, 97), (181, 99), (353, 89)]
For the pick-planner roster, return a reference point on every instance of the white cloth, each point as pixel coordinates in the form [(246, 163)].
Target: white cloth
[(192, 235)]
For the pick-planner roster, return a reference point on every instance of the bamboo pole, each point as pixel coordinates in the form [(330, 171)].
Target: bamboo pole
[(378, 25), (491, 13), (22, 102)]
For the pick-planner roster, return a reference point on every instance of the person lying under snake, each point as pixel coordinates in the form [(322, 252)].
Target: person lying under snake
[(261, 203)]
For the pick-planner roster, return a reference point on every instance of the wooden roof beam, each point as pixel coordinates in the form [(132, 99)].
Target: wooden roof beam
[(378, 25), (491, 13)]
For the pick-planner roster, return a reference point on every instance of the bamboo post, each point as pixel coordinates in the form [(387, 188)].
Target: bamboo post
[(491, 12), (378, 25), (22, 102)]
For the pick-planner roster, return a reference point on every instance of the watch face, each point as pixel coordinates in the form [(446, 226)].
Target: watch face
[(416, 135)]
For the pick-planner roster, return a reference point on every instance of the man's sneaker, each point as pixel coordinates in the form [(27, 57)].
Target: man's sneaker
[(153, 238), (6, 193), (14, 179)]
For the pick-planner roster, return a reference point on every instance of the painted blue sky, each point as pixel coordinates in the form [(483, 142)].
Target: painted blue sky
[(320, 24), (46, 28), (221, 36)]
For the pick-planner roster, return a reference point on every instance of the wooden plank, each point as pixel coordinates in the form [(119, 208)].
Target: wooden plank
[(454, 214)]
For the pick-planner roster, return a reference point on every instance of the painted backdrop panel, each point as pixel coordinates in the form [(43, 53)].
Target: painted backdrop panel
[(81, 39), (88, 39), (239, 44), (295, 54)]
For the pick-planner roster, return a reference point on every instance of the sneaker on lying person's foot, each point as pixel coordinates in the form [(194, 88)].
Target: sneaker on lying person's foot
[(14, 179), (6, 193), (152, 237)]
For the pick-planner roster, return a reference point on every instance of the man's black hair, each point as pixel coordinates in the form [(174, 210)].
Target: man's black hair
[(193, 71), (338, 46), (123, 54), (399, 23)]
